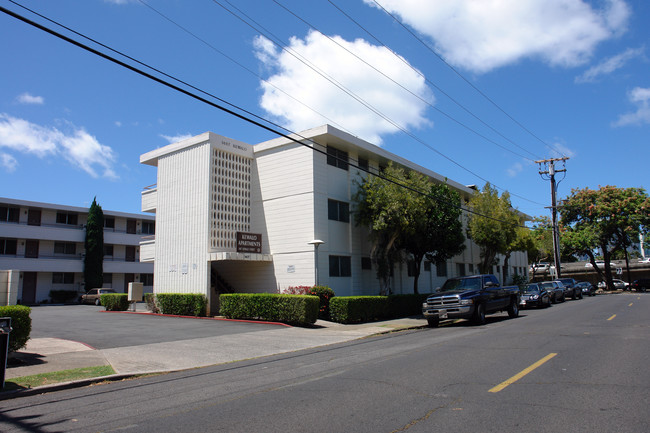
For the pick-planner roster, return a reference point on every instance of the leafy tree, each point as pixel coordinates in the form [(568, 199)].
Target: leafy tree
[(492, 225), (608, 219), (523, 241), (541, 249), (94, 243), (421, 220)]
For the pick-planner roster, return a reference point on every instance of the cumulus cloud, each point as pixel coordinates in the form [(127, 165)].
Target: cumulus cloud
[(77, 146), (176, 138), (28, 99), (481, 35), (304, 84), (640, 97), (609, 65), (515, 169), (8, 162)]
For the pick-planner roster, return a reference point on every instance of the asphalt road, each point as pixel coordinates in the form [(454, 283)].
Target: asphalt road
[(591, 375), (100, 329)]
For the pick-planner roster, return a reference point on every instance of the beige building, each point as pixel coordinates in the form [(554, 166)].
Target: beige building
[(231, 216)]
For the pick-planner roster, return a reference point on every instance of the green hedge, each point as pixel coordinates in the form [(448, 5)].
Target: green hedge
[(150, 300), (62, 296), (359, 309), (181, 304), (294, 309), (21, 323), (324, 294), (115, 301)]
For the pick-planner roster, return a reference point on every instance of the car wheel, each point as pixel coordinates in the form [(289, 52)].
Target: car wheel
[(479, 315), (97, 302), (433, 322), (513, 309), (553, 300), (574, 296)]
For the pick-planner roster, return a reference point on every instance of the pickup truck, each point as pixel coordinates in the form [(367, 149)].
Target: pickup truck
[(471, 298)]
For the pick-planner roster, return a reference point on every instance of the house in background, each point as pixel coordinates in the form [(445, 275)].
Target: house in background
[(43, 244), (231, 216)]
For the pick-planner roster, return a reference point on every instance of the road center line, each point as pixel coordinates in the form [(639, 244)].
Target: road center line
[(631, 303), (522, 373), (613, 315)]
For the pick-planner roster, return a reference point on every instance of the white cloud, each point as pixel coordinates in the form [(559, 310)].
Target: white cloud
[(609, 65), (78, 147), (560, 150), (118, 123), (641, 98), (176, 138), (8, 162), (515, 169), (28, 99), (304, 84), (481, 35)]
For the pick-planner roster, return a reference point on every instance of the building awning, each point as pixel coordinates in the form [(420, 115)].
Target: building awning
[(247, 257)]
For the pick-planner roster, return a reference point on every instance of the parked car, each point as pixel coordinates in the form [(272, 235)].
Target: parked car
[(618, 284), (539, 267), (93, 296), (587, 289), (599, 263), (570, 288), (556, 292), (646, 260), (535, 295), (641, 285)]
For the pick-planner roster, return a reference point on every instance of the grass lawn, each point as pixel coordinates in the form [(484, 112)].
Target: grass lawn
[(57, 377)]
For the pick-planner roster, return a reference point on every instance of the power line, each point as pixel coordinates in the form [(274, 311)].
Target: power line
[(465, 79), (202, 99), (350, 93)]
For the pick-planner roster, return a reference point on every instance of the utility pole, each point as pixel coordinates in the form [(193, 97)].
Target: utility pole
[(550, 171)]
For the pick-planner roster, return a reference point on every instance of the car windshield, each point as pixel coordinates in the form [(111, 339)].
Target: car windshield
[(532, 289), (461, 284), (547, 285)]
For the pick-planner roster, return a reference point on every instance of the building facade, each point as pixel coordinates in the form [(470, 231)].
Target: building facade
[(43, 244), (231, 216)]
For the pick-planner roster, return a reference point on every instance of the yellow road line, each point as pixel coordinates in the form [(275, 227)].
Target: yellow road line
[(630, 304), (522, 373), (613, 315)]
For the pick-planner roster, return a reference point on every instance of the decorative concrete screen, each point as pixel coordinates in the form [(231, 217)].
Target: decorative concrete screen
[(230, 199)]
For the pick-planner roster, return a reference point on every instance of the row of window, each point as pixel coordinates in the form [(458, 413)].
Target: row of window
[(68, 278), (340, 159), (10, 247)]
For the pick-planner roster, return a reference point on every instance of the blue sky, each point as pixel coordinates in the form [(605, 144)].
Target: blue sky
[(573, 74)]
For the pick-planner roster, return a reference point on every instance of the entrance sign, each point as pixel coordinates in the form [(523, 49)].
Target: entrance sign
[(249, 242)]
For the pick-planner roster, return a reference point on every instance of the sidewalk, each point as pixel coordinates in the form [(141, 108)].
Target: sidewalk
[(45, 355)]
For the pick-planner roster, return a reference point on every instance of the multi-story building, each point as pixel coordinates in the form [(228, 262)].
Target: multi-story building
[(277, 214), (43, 244)]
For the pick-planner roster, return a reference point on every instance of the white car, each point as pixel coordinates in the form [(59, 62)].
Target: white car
[(599, 263), (618, 284), (646, 260)]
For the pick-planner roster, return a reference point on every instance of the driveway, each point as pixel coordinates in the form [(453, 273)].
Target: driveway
[(95, 327)]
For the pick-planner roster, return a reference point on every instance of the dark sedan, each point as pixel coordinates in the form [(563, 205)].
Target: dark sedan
[(587, 289), (555, 289), (570, 288), (535, 295), (641, 285)]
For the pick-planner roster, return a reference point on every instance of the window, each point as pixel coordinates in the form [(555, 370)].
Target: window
[(460, 269), (337, 158), (146, 279), (108, 250), (65, 248), (340, 266), (338, 211), (131, 226), (491, 279), (363, 163), (366, 264), (109, 222), (471, 268), (8, 247), (129, 255), (63, 278), (9, 214), (148, 228), (108, 279), (427, 266), (66, 218), (411, 268), (441, 269)]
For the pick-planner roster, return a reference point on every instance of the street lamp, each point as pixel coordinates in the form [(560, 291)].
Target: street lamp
[(316, 243)]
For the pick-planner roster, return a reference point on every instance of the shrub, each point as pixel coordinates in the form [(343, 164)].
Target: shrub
[(298, 290), (150, 300), (324, 293), (181, 304), (21, 323), (62, 296), (358, 309), (295, 309), (115, 301)]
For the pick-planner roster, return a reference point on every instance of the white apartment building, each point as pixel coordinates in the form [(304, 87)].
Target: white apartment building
[(231, 216), (43, 244)]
